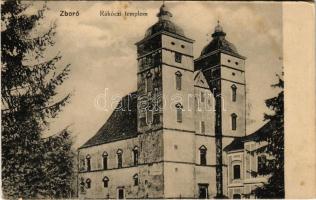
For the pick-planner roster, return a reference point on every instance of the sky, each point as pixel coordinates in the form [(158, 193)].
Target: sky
[(102, 52)]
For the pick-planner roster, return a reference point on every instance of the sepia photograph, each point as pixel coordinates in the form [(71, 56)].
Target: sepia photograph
[(142, 100)]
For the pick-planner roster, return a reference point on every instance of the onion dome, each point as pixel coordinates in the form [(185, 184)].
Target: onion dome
[(219, 42), (164, 24)]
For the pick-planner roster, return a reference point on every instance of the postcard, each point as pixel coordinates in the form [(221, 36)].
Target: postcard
[(157, 100)]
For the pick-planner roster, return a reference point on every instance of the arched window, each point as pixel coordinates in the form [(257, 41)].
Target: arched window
[(234, 121), (149, 83), (178, 80), (202, 127), (179, 112), (203, 151), (234, 92), (262, 164), (156, 93), (105, 182), (135, 155), (88, 182), (150, 113), (236, 171), (88, 158), (156, 118), (82, 185), (178, 57), (155, 84), (82, 164), (105, 160), (119, 158), (135, 177), (202, 97)]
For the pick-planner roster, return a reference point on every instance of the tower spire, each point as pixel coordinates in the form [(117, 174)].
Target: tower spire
[(218, 27), (164, 13), (218, 31)]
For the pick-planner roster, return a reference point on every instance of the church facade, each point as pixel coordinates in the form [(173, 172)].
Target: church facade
[(175, 136)]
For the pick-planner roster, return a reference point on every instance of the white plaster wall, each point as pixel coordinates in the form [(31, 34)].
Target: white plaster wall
[(204, 111), (96, 152), (229, 107), (235, 158), (232, 74), (172, 96), (166, 43), (179, 180), (117, 178), (205, 175), (209, 143), (226, 141), (248, 163), (179, 146), (233, 60)]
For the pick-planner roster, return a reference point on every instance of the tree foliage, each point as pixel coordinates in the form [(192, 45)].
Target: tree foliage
[(274, 188), (28, 95), (58, 165)]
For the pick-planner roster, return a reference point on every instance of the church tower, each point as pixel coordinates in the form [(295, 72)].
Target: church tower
[(224, 69), (165, 116)]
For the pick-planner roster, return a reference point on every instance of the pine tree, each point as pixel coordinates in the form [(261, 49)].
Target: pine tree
[(274, 188), (58, 165), (28, 95)]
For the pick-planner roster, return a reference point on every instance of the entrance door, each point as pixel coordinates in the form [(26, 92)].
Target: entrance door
[(203, 191), (236, 196), (120, 194)]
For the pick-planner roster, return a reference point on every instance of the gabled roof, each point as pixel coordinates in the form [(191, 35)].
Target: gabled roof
[(238, 143), (122, 123), (200, 80)]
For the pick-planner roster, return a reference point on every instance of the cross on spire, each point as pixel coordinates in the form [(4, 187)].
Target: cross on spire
[(217, 31), (218, 27)]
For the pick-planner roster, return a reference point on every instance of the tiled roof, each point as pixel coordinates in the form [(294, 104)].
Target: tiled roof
[(256, 136), (238, 143), (122, 123), (220, 44)]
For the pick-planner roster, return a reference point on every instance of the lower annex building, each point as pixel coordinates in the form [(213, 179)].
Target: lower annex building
[(168, 138)]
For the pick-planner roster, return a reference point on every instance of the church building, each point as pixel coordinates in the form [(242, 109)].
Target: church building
[(175, 137)]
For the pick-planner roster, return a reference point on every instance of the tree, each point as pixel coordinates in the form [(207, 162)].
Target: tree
[(58, 165), (274, 188), (28, 94)]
